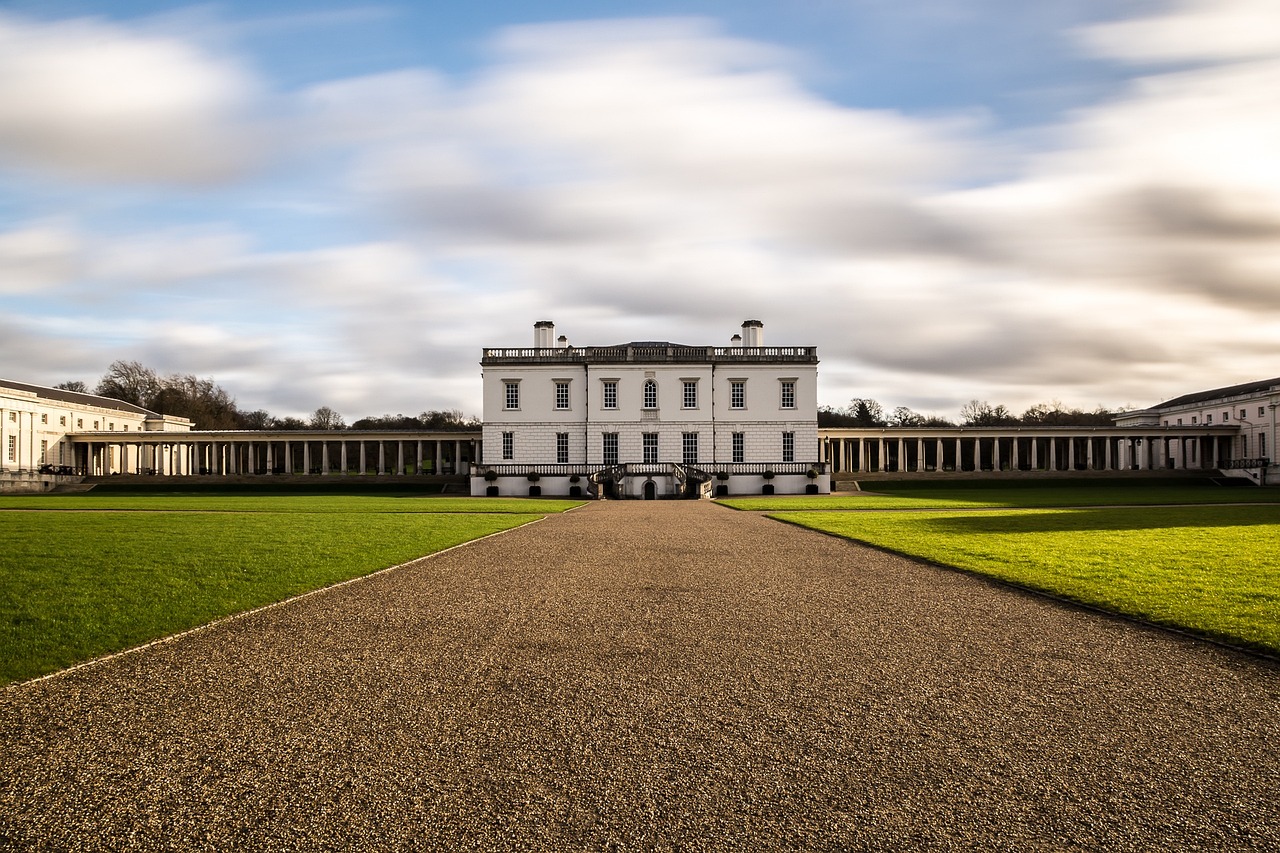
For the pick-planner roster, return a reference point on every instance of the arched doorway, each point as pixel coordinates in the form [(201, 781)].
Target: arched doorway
[(650, 490)]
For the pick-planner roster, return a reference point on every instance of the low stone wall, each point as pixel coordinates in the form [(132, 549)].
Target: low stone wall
[(31, 482)]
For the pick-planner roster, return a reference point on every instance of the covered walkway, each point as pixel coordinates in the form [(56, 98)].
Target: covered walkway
[(303, 452), (925, 449)]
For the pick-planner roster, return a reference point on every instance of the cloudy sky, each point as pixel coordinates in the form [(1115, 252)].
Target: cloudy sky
[(334, 203)]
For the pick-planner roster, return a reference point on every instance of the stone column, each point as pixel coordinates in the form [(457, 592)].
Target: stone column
[(439, 459), (343, 458), (364, 455), (382, 456), (995, 453)]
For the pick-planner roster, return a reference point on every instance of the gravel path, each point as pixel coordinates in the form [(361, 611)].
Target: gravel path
[(653, 676)]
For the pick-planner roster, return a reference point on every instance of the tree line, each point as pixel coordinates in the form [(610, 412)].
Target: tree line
[(209, 405), (863, 412)]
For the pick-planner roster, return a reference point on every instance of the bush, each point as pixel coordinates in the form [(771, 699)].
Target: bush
[(534, 477), (490, 476)]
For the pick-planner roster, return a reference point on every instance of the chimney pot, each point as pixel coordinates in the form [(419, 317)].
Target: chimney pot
[(752, 333)]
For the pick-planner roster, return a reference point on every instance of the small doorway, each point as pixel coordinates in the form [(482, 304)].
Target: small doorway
[(650, 490)]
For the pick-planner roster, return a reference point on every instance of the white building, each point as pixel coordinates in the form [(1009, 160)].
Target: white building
[(37, 425), (1249, 409), (650, 418)]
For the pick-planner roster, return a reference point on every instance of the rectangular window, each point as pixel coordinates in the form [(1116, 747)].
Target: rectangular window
[(1193, 419), (690, 448), (562, 394), (508, 445), (1179, 422), (1208, 419), (739, 447), (650, 448), (95, 424), (44, 449), (513, 394), (62, 421), (79, 423), (13, 448), (1243, 414), (44, 418), (610, 448), (112, 426), (1226, 416), (562, 448), (1262, 411), (788, 394), (1262, 444), (611, 394), (13, 417), (690, 395), (788, 447), (737, 395)]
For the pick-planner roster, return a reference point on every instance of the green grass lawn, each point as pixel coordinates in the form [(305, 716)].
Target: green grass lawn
[(963, 496), (282, 503), (76, 584), (1212, 570)]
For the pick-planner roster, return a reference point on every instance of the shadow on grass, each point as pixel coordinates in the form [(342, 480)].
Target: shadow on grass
[(1106, 519)]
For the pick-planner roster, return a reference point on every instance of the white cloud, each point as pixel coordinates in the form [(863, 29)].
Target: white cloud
[(1193, 30), (635, 180), (87, 98), (38, 257)]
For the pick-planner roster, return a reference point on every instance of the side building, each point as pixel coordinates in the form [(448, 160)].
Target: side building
[(650, 419), (38, 426)]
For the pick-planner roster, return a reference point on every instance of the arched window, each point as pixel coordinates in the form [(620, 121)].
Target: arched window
[(650, 394)]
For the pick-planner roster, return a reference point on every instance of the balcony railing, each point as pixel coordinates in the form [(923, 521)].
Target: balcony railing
[(1261, 462), (648, 355)]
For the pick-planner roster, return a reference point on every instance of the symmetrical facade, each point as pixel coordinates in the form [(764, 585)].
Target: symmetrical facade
[(650, 418), (643, 419)]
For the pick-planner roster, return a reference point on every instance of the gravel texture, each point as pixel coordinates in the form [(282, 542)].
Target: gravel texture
[(653, 676)]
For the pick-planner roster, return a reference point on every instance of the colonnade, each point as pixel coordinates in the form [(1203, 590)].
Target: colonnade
[(923, 450), (233, 454)]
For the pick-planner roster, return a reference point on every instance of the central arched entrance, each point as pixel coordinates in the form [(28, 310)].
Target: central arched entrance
[(650, 490)]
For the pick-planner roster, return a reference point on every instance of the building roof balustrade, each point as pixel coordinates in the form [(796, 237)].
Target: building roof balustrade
[(672, 354)]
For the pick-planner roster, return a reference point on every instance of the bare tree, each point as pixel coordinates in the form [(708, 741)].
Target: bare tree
[(982, 413), (326, 418), (130, 381), (73, 385)]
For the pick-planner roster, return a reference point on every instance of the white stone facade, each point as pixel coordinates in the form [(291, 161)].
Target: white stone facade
[(738, 410), (36, 424), (1249, 410)]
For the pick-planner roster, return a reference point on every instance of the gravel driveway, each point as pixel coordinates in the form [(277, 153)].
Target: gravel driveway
[(653, 676)]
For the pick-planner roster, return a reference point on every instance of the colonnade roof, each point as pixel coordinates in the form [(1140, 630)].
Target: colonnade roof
[(1055, 431), (278, 435)]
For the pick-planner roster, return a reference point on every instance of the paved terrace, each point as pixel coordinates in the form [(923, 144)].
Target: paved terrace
[(653, 676)]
